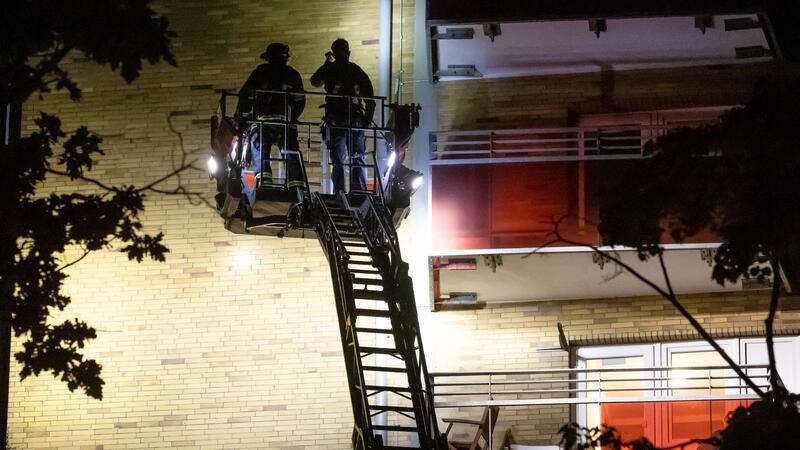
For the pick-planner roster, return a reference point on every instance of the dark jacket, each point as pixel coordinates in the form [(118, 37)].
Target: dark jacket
[(272, 77), (345, 78)]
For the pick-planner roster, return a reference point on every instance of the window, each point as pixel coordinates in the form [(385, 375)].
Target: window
[(674, 392)]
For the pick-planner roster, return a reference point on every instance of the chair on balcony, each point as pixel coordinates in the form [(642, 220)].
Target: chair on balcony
[(485, 426), (510, 443)]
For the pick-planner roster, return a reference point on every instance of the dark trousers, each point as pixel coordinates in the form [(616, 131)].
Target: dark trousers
[(261, 140), (341, 150)]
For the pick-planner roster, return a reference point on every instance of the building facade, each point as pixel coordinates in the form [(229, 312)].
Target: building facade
[(233, 342)]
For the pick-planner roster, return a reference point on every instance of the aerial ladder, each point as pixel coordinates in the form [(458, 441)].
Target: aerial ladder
[(389, 385)]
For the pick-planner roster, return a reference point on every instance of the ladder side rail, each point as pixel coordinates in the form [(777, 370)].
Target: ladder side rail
[(343, 290), (400, 269), (421, 361), (380, 232)]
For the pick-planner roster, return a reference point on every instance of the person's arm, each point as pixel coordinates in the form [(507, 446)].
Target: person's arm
[(298, 100), (318, 79), (245, 103), (365, 88)]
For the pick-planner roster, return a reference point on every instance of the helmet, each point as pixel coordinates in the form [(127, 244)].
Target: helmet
[(276, 52)]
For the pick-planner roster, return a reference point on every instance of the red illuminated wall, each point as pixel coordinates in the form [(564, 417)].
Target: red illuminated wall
[(491, 206), (668, 424)]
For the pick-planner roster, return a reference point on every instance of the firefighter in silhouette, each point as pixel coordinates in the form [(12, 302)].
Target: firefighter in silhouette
[(342, 77), (254, 104)]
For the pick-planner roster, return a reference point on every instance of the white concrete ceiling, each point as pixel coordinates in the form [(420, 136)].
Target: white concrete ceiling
[(556, 276), (539, 48)]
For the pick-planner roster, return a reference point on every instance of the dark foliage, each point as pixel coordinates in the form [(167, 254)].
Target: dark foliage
[(737, 178), (769, 424), (38, 34), (37, 229)]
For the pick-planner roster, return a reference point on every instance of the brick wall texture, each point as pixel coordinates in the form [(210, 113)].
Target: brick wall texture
[(233, 342)]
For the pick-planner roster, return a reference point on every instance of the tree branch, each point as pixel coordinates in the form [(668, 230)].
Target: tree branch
[(182, 168), (96, 182), (669, 296), (76, 261), (703, 333), (195, 198), (774, 379)]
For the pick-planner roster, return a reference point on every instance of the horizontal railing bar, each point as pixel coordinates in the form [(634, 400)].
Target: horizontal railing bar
[(619, 138), (316, 124), (589, 401), (500, 141), (579, 391), (533, 159), (512, 131), (589, 380), (510, 150), (462, 152), (620, 147), (313, 93), (584, 370), (473, 142)]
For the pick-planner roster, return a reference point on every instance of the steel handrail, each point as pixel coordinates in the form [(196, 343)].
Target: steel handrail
[(311, 93), (513, 131), (535, 144), (577, 381), (590, 401), (580, 391), (585, 370)]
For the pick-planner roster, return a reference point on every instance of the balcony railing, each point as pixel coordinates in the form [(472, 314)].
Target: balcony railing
[(542, 144), (682, 386), (591, 386)]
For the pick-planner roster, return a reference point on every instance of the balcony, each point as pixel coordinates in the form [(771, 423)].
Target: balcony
[(498, 39)]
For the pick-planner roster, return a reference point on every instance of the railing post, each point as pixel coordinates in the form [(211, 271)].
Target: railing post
[(490, 412), (433, 149), (581, 181)]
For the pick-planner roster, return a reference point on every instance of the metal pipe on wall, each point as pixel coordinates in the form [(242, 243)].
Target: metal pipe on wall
[(384, 90), (385, 49)]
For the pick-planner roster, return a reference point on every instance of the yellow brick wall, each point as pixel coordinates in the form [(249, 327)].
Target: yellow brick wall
[(233, 342), (207, 350)]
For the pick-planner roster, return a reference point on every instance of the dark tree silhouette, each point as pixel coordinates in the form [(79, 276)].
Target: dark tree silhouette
[(37, 228), (738, 179)]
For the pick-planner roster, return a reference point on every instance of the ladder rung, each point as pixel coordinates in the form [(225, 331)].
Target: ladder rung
[(374, 330), (359, 254), (365, 272), (356, 262), (371, 312), (368, 295), (368, 281), (394, 428), (391, 408), (388, 388), (381, 350), (384, 369), (355, 244)]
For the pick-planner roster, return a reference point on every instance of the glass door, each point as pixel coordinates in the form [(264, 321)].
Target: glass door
[(614, 377), (683, 418)]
